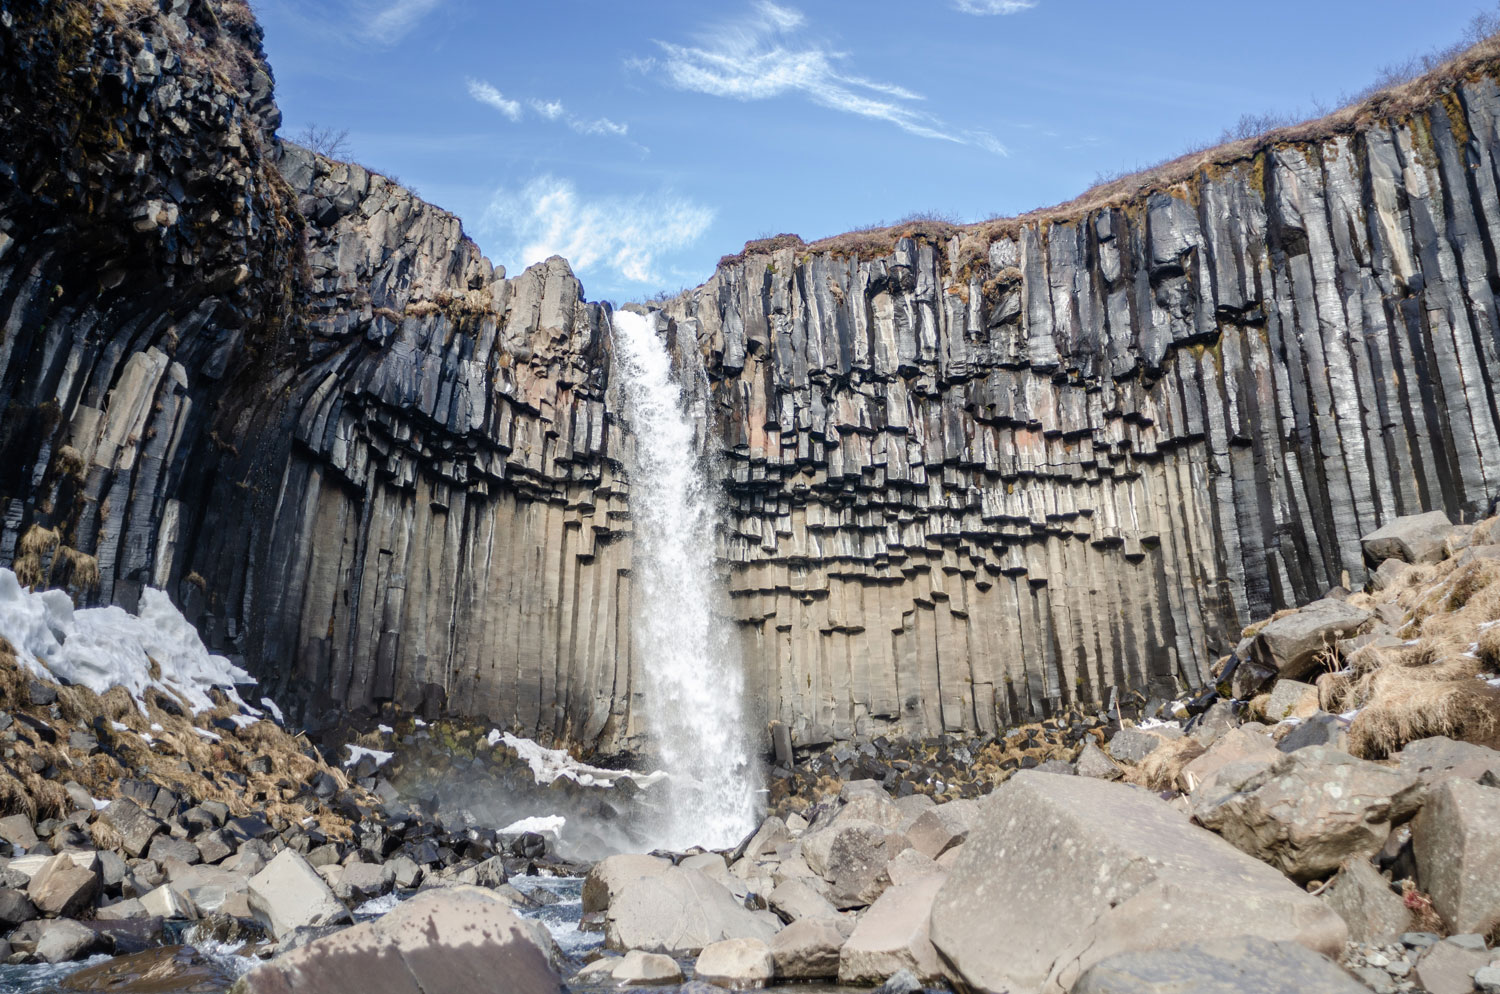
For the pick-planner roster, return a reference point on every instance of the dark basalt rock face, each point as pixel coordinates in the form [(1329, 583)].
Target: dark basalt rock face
[(971, 479)]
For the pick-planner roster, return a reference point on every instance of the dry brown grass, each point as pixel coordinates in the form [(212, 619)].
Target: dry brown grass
[(14, 798), (1411, 696), (1162, 768)]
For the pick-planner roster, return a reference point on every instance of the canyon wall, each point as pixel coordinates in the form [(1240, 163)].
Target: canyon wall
[(970, 475)]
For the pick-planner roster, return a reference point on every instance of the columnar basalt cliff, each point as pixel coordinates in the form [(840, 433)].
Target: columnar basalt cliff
[(971, 474)]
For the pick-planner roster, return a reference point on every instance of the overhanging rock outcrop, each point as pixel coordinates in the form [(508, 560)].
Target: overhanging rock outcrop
[(971, 474)]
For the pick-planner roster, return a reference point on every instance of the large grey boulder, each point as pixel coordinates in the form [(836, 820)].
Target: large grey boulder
[(1456, 841), (634, 969), (739, 964), (288, 894), (1309, 811), (1094, 762), (678, 913), (1411, 538), (450, 939), (851, 856), (1289, 647), (63, 888), (610, 875), (796, 899), (1233, 965), (64, 940), (808, 949), (1364, 899), (1132, 745), (893, 936), (136, 825), (1238, 745), (1062, 872)]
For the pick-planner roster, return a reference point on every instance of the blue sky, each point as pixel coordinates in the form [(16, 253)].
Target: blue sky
[(643, 140)]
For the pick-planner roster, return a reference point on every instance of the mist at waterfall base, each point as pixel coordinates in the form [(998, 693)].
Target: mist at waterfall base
[(681, 642)]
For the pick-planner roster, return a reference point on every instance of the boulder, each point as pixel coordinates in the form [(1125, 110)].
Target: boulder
[(288, 894), (634, 969), (1411, 538), (876, 808), (62, 888), (1071, 870), (739, 964), (1320, 729), (1231, 965), (808, 949), (1364, 899), (1309, 811), (939, 829), (451, 939), (1094, 762), (362, 881), (147, 972), (1292, 699), (1388, 574), (1238, 745), (166, 902), (795, 899), (18, 831), (137, 826), (164, 848), (15, 908), (1448, 967), (893, 936), (1440, 758), (909, 866), (1289, 647), (851, 857), (1132, 745), (678, 913), (1456, 841), (710, 863), (64, 941), (771, 833), (610, 875)]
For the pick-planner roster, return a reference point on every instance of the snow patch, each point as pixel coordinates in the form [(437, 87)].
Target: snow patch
[(356, 753), (211, 736), (104, 647), (385, 729), (541, 824), (549, 764), (275, 711), (379, 905)]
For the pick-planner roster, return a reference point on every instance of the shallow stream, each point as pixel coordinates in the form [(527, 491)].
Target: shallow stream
[(561, 919)]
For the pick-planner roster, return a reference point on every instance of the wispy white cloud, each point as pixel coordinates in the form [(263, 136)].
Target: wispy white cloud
[(550, 110), (986, 7), (491, 97), (389, 24), (622, 236), (752, 59)]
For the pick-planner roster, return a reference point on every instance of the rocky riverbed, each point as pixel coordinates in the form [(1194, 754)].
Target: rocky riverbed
[(1325, 817)]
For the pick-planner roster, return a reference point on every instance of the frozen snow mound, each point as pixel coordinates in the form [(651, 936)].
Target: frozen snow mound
[(104, 647), (549, 764)]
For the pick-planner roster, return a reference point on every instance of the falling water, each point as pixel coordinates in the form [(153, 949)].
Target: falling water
[(694, 692)]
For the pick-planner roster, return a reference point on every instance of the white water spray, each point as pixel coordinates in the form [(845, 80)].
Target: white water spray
[(694, 690)]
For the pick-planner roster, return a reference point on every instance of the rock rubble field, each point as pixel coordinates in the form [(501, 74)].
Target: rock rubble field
[(1325, 817)]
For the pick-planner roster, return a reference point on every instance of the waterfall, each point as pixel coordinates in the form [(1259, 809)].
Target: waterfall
[(694, 683)]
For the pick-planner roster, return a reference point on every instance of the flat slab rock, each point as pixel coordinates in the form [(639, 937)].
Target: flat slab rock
[(450, 939), (1234, 965), (1072, 870)]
